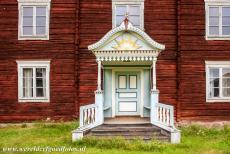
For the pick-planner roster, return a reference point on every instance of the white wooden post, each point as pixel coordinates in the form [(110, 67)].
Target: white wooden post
[(99, 76), (99, 98), (154, 94), (154, 74)]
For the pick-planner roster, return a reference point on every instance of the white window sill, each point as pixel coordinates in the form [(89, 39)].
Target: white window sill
[(217, 38), (217, 100), (34, 100), (33, 38)]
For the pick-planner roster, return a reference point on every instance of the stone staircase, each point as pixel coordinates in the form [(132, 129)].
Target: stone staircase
[(129, 131)]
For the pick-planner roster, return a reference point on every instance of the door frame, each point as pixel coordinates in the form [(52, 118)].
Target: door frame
[(127, 69)]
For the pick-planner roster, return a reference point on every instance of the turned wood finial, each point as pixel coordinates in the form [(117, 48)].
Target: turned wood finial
[(126, 20)]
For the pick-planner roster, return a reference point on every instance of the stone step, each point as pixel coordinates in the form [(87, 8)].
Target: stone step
[(128, 131), (120, 132), (131, 137)]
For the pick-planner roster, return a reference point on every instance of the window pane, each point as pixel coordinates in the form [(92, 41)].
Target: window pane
[(214, 30), (214, 72), (28, 30), (214, 82), (214, 21), (214, 92), (134, 10), (226, 30), (135, 20), (119, 20), (40, 82), (41, 11), (40, 72), (40, 92), (121, 10), (226, 11), (28, 21), (226, 72), (226, 82), (226, 21), (226, 92), (41, 21), (27, 82), (27, 11), (213, 11), (40, 30)]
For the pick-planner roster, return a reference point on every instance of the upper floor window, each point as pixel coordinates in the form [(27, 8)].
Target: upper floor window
[(33, 19), (217, 81), (33, 81), (134, 9), (217, 20)]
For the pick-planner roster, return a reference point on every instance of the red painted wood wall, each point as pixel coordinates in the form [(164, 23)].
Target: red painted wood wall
[(75, 24)]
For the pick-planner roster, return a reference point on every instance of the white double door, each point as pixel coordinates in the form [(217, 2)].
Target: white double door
[(127, 93)]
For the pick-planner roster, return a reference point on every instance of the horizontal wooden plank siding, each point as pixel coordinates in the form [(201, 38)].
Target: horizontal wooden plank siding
[(60, 49), (75, 24), (194, 50)]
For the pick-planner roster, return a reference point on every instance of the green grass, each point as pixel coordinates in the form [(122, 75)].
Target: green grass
[(195, 140)]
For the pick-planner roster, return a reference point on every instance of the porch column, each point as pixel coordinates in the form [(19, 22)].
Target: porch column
[(99, 76), (154, 74), (99, 98), (154, 94)]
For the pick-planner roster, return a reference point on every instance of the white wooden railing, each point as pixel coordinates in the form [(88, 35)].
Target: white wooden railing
[(165, 115), (88, 116)]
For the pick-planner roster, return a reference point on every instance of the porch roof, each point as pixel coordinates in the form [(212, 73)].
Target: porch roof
[(126, 43)]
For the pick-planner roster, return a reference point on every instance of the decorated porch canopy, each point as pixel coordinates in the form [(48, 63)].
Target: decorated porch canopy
[(126, 43)]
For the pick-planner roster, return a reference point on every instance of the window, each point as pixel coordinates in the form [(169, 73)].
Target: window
[(134, 10), (33, 81), (217, 20), (33, 19), (217, 81)]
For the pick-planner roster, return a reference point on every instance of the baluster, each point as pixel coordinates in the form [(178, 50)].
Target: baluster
[(93, 115), (160, 114), (88, 115), (168, 116), (85, 117), (163, 114)]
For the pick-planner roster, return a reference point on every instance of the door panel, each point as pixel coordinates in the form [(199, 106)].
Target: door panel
[(127, 93)]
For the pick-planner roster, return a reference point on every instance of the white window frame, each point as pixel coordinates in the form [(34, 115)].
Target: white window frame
[(33, 3), (220, 4), (33, 64), (220, 65), (128, 2)]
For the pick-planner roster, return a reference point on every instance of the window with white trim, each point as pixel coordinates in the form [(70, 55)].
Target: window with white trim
[(133, 9), (217, 19), (217, 81), (33, 19), (33, 81)]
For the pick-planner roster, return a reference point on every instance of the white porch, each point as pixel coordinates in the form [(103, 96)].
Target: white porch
[(122, 47)]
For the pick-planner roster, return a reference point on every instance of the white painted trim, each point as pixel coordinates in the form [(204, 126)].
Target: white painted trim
[(125, 2), (127, 69), (34, 4), (220, 65), (122, 28), (220, 4), (28, 63)]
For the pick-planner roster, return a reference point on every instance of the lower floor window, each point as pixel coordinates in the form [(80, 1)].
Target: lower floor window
[(218, 81), (33, 81)]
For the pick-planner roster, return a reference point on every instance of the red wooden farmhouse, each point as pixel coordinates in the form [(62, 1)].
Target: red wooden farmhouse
[(139, 65)]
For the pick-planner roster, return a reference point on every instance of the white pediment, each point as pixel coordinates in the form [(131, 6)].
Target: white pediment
[(126, 42)]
